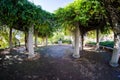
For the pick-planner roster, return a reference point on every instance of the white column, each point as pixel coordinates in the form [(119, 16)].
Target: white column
[(77, 41), (36, 37), (30, 42), (80, 43), (116, 52), (73, 39), (46, 40)]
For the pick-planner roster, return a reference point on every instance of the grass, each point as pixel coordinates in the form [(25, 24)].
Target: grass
[(105, 43)]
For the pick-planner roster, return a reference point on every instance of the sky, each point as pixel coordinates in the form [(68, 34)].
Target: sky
[(51, 5)]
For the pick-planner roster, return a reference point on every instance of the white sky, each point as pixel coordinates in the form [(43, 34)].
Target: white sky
[(51, 5)]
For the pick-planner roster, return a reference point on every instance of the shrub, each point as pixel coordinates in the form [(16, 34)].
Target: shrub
[(105, 43)]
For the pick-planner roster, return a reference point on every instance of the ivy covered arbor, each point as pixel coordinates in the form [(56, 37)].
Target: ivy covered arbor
[(8, 16), (93, 16), (24, 16), (113, 14), (81, 16), (45, 29)]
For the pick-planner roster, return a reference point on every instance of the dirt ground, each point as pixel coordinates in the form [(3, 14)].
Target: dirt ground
[(56, 63)]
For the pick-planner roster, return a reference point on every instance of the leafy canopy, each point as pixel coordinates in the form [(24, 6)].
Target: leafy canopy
[(80, 11)]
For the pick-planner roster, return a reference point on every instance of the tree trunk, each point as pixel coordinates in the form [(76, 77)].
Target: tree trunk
[(19, 43), (46, 39), (10, 38), (97, 39), (36, 36), (30, 42), (43, 41), (26, 37), (82, 41), (77, 41)]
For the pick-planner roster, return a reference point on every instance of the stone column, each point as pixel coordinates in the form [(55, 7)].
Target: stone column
[(36, 37), (46, 40), (116, 52), (30, 42), (77, 41), (73, 39)]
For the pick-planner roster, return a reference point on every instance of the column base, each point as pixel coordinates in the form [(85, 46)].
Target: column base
[(97, 49), (76, 56), (31, 55), (114, 64)]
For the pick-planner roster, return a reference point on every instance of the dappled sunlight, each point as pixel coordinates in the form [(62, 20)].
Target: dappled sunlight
[(12, 57), (79, 41), (56, 62), (20, 49), (6, 51), (89, 48)]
